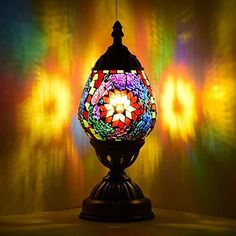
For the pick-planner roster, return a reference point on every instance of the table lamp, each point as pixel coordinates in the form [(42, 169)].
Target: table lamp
[(117, 111)]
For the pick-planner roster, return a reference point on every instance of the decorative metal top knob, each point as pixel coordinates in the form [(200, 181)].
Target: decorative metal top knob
[(117, 55), (117, 33)]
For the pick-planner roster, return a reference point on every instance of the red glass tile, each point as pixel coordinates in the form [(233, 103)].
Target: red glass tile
[(103, 114), (121, 125), (89, 99), (85, 115), (133, 99), (108, 119), (100, 74), (134, 117), (98, 83), (103, 108), (130, 95), (99, 80), (136, 105), (127, 121), (138, 112), (141, 75), (115, 123)]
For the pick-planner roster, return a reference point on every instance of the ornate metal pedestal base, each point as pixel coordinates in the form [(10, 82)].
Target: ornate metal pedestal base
[(116, 197)]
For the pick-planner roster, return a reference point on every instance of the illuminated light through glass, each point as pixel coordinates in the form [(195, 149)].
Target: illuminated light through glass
[(117, 105)]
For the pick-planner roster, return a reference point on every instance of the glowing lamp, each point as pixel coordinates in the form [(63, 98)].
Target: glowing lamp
[(117, 111)]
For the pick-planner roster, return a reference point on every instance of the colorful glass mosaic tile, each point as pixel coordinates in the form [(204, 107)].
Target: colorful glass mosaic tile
[(117, 105)]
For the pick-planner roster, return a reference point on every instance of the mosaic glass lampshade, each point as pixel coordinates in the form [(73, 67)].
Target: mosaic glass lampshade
[(117, 105), (117, 111)]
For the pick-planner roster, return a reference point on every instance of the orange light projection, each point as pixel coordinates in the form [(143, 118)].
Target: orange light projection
[(178, 112)]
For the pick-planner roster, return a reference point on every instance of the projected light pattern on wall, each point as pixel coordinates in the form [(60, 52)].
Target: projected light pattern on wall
[(48, 111), (178, 104), (219, 108), (188, 52)]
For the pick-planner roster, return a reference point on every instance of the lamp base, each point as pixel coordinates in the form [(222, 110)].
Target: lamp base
[(119, 211), (117, 198)]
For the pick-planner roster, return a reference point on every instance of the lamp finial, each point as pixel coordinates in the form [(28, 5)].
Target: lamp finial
[(117, 33)]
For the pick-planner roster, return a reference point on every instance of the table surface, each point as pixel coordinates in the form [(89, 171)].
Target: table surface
[(66, 222)]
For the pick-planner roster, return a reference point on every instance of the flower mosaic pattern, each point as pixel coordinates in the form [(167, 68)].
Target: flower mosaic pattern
[(117, 105)]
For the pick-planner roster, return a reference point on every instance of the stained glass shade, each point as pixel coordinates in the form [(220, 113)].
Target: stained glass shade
[(117, 105)]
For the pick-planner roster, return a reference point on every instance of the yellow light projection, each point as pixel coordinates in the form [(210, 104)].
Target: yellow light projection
[(147, 163), (59, 36), (48, 110), (219, 102), (38, 170), (178, 111)]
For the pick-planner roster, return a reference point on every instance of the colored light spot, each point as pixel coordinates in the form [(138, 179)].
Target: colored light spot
[(219, 106), (48, 109), (178, 105)]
